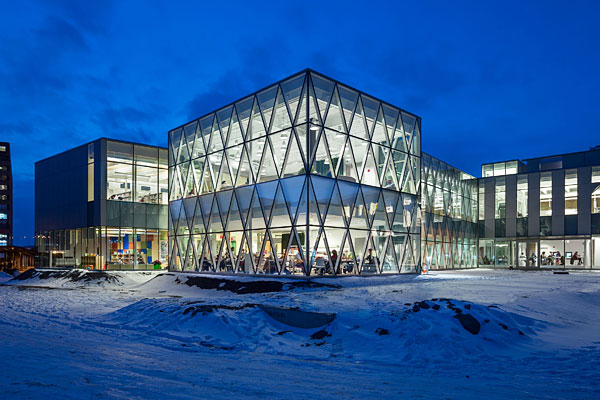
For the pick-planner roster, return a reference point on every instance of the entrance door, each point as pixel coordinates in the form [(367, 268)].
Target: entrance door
[(527, 254)]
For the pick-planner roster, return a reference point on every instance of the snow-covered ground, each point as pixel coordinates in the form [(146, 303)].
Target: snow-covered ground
[(460, 334)]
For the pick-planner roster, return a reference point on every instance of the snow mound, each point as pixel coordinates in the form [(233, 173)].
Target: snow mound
[(80, 278), (5, 277), (436, 329)]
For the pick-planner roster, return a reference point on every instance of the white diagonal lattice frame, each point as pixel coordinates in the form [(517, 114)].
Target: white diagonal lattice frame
[(281, 180)]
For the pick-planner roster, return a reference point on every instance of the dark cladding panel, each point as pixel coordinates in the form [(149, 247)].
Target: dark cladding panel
[(61, 191)]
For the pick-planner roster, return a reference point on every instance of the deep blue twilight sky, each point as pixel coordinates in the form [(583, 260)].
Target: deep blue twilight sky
[(491, 80)]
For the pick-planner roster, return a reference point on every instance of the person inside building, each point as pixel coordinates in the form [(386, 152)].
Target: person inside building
[(369, 263), (532, 259), (574, 258), (332, 261)]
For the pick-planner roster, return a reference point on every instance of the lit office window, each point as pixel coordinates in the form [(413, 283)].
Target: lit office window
[(595, 174), (481, 202), (596, 201), (141, 176), (3, 216), (499, 169), (500, 198), (522, 196), (2, 148), (3, 187), (3, 197), (119, 181), (571, 192), (512, 167), (487, 170), (546, 194)]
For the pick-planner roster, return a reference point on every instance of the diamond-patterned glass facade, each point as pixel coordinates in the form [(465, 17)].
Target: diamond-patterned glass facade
[(449, 205), (306, 177)]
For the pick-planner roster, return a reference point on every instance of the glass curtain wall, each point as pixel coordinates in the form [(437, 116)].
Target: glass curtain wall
[(305, 177), (136, 173), (136, 208), (104, 248), (449, 205)]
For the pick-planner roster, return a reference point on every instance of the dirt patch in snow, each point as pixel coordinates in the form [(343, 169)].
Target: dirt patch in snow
[(205, 309), (471, 319), (71, 276), (250, 286)]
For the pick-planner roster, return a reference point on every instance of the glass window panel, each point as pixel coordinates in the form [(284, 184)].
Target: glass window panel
[(552, 253), (119, 181), (503, 253), (90, 181), (575, 254), (571, 192), (500, 198), (487, 170), (292, 89), (163, 159), (291, 162), (511, 167), (163, 186), (546, 194), (146, 185), (481, 202), (595, 174), (120, 152), (499, 169), (126, 214), (545, 225), (139, 215), (359, 148), (522, 196), (147, 156), (486, 252), (596, 201)]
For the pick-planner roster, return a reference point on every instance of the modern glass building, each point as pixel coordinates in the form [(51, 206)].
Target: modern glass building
[(307, 176), (103, 205), (449, 209), (541, 212), (310, 177)]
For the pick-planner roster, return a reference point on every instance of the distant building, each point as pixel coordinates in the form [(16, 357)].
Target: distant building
[(13, 258), (6, 196), (102, 205)]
